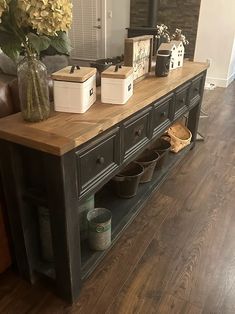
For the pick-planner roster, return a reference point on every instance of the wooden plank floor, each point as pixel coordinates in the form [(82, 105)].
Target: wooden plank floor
[(178, 256)]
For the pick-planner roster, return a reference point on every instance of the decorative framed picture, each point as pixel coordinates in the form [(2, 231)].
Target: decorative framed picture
[(138, 54)]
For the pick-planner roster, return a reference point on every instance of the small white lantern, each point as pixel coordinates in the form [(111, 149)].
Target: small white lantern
[(74, 89), (116, 85)]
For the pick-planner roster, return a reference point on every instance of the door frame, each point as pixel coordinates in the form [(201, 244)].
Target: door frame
[(103, 4), (103, 32)]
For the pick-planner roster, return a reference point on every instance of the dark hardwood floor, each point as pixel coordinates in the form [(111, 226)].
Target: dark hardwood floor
[(178, 256)]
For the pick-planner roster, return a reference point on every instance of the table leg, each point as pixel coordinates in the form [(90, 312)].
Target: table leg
[(22, 223), (194, 115), (61, 185)]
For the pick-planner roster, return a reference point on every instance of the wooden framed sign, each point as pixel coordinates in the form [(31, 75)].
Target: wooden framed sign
[(138, 54)]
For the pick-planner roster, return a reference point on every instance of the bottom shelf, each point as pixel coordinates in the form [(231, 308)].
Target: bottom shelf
[(45, 268), (125, 210)]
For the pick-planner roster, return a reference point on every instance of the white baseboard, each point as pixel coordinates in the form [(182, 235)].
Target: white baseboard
[(220, 82), (231, 79)]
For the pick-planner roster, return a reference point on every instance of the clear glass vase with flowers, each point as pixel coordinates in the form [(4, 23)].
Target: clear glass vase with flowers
[(28, 28)]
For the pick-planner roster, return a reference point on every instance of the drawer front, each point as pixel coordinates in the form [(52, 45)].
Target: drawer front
[(196, 90), (163, 113), (98, 161), (181, 101), (137, 132)]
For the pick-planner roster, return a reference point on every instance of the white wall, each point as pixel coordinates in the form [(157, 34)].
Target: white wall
[(215, 39), (116, 26)]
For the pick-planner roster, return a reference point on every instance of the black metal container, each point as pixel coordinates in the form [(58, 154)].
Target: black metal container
[(163, 63), (148, 161), (162, 146), (126, 183)]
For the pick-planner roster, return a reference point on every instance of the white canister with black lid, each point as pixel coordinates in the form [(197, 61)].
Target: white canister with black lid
[(116, 84), (74, 89)]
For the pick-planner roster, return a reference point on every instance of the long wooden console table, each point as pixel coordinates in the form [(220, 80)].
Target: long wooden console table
[(60, 162)]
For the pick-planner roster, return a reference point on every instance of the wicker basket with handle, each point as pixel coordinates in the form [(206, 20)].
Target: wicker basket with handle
[(180, 136)]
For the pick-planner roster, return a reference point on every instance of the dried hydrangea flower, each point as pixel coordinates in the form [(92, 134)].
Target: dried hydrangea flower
[(162, 31), (47, 16), (3, 7), (179, 36)]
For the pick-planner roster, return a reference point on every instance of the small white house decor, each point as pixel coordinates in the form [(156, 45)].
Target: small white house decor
[(177, 53), (180, 53)]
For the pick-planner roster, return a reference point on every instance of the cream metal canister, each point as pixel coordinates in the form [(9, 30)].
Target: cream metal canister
[(74, 89), (116, 85)]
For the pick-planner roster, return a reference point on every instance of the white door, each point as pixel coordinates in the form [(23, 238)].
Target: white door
[(87, 34)]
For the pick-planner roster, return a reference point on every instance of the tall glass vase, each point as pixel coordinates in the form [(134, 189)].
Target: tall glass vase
[(33, 89)]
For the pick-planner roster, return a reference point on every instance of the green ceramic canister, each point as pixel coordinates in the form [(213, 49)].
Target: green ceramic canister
[(99, 226)]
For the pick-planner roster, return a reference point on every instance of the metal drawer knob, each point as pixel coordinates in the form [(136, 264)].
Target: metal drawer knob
[(182, 100), (163, 114), (138, 133), (100, 160), (196, 89)]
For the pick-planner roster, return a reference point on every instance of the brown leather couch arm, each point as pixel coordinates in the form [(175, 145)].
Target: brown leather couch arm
[(9, 95), (6, 104), (5, 253), (6, 108), (5, 259)]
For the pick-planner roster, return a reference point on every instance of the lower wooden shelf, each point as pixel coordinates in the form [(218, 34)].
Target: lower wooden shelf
[(125, 210), (45, 268)]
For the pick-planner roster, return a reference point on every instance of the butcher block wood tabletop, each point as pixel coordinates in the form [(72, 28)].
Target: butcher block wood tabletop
[(63, 132)]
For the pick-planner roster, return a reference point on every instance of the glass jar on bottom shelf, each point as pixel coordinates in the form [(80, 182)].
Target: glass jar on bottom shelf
[(99, 226), (33, 89)]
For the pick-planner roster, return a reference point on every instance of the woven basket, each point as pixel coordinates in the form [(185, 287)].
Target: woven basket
[(180, 136)]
